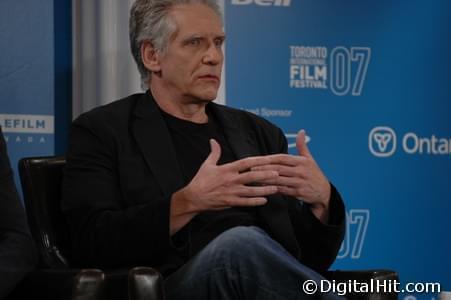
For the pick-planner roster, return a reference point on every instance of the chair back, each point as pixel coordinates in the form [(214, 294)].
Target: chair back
[(41, 179)]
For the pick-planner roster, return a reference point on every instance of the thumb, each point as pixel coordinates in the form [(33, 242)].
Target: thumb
[(215, 152), (301, 144)]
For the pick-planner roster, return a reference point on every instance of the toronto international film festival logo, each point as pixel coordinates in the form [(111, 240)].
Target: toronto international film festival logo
[(340, 69)]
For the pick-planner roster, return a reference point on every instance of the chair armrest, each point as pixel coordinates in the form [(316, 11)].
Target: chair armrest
[(365, 276), (145, 284), (91, 284), (57, 284)]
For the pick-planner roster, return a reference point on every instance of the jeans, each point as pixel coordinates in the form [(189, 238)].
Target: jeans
[(242, 263)]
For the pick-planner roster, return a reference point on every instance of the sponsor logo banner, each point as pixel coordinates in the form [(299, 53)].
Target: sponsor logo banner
[(17, 123)]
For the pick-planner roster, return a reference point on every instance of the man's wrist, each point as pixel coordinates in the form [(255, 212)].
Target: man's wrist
[(324, 201), (181, 211), (181, 202), (321, 208)]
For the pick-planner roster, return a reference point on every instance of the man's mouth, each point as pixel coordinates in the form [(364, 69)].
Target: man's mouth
[(209, 77)]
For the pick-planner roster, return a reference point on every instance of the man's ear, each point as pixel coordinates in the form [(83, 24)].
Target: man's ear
[(150, 57)]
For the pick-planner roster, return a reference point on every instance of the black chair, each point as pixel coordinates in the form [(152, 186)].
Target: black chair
[(41, 183), (73, 284), (142, 282), (55, 278)]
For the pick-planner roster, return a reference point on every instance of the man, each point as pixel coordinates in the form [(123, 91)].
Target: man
[(17, 250), (202, 192)]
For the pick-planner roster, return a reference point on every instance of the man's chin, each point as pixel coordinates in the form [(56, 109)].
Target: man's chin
[(207, 96)]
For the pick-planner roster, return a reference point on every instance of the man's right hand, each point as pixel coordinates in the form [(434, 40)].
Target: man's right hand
[(219, 187)]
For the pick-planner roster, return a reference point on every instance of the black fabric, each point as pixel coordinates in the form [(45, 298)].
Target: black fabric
[(191, 141), (17, 250), (122, 170)]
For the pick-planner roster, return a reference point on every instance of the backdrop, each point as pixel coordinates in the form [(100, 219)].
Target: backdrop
[(368, 80)]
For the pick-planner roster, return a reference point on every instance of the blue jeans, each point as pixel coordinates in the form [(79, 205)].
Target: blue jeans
[(242, 263)]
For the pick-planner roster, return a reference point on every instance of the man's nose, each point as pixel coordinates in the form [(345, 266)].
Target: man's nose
[(213, 55)]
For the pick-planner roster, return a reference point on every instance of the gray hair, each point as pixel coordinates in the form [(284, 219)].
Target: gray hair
[(150, 21)]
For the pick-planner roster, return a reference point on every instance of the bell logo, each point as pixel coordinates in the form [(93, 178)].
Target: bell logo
[(382, 141), (263, 2), (291, 138)]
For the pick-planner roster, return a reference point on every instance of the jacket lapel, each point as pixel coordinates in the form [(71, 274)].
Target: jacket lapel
[(154, 140), (239, 137)]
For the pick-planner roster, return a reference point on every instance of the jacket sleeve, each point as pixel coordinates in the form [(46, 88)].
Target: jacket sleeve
[(18, 254), (319, 243), (106, 231)]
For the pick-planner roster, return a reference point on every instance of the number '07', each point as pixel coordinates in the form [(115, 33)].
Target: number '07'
[(356, 225), (341, 71)]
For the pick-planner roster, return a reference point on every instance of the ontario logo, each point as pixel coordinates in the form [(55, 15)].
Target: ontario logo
[(340, 69), (382, 141), (262, 2)]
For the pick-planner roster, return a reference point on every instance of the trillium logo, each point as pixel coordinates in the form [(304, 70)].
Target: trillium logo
[(382, 141)]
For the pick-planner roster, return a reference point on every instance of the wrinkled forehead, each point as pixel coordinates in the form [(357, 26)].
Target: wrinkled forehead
[(196, 19)]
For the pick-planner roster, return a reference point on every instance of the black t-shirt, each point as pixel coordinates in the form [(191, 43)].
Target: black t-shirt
[(191, 141)]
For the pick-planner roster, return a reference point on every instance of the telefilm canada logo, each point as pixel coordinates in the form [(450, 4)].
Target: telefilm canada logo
[(384, 142), (19, 128), (341, 70)]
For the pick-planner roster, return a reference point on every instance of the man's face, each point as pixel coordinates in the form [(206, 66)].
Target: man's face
[(191, 66)]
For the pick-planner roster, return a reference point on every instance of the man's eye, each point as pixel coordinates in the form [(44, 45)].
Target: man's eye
[(219, 42), (194, 42)]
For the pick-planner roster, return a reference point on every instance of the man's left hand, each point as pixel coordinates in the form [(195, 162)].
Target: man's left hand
[(301, 177)]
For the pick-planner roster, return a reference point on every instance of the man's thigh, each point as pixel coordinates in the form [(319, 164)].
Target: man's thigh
[(241, 263)]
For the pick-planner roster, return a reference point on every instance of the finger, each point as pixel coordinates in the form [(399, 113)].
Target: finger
[(246, 163), (289, 191), (255, 176), (282, 181), (215, 152), (285, 159), (301, 144), (245, 201), (283, 170), (255, 191)]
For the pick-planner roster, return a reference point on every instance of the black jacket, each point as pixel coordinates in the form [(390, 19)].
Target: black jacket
[(122, 171), (17, 251)]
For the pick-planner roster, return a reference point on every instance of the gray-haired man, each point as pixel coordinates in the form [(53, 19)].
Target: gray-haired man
[(202, 192)]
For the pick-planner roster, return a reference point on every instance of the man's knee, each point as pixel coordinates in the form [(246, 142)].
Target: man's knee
[(238, 242)]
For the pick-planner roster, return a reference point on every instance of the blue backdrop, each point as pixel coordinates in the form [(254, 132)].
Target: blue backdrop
[(369, 83), (35, 76)]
